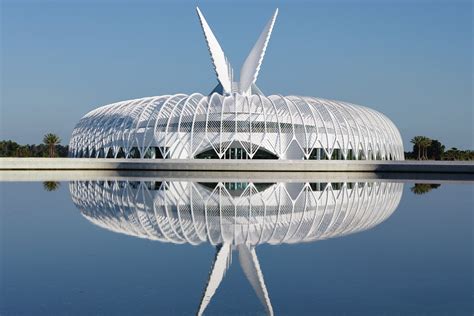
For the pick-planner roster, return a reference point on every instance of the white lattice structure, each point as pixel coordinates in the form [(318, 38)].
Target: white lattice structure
[(235, 213), (235, 216), (236, 121)]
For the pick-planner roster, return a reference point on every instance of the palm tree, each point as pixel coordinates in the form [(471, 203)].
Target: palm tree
[(51, 185), (422, 188), (418, 142), (425, 143), (51, 140)]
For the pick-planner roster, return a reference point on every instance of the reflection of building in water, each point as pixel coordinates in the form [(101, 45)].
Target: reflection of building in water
[(235, 215)]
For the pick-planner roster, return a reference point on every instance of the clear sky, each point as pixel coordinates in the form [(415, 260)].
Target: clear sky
[(409, 60)]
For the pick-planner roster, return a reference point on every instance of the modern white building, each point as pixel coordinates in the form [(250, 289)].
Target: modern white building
[(235, 216), (236, 121)]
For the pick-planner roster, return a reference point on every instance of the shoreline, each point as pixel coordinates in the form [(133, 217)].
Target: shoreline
[(229, 176), (374, 166)]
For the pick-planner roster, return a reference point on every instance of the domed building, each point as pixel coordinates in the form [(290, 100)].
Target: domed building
[(236, 121), (235, 212), (235, 216)]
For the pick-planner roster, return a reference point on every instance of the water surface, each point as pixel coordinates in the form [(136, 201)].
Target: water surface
[(152, 246)]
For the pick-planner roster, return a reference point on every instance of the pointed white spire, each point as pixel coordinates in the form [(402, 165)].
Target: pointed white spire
[(221, 65), (249, 263), (219, 267), (251, 66)]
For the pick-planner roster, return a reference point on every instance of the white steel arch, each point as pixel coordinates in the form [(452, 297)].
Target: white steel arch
[(235, 216), (236, 121), (272, 122), (247, 213)]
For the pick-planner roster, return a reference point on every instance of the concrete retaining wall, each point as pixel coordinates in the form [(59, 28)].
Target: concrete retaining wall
[(236, 165)]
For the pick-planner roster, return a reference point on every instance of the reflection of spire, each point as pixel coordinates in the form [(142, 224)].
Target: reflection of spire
[(219, 267), (236, 216), (249, 263)]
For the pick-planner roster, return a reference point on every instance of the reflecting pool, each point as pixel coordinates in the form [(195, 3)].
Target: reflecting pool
[(191, 245)]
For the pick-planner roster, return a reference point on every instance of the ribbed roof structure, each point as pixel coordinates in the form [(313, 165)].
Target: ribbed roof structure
[(235, 216), (236, 121), (183, 126), (236, 213)]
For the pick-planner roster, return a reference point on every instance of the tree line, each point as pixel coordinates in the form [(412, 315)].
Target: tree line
[(423, 188), (425, 148), (50, 147)]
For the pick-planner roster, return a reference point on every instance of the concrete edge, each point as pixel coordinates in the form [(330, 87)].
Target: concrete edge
[(228, 176), (461, 167)]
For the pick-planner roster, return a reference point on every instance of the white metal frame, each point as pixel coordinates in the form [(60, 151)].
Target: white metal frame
[(235, 219), (181, 126)]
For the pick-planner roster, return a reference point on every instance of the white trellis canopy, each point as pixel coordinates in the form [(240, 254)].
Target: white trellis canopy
[(235, 216), (236, 121)]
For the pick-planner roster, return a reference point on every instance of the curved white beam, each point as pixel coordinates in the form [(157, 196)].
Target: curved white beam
[(219, 267), (249, 263), (251, 66), (222, 66)]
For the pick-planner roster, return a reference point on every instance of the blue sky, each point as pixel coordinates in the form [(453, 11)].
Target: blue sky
[(409, 60)]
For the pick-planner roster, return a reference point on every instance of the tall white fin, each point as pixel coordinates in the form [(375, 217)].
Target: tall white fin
[(251, 67), (219, 267), (249, 263), (221, 65)]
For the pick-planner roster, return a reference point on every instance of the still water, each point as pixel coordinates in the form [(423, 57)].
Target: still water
[(180, 247)]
